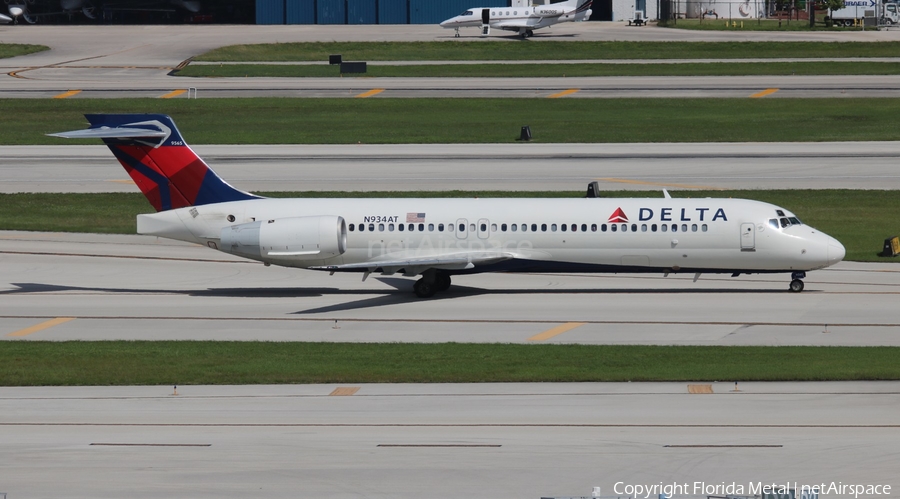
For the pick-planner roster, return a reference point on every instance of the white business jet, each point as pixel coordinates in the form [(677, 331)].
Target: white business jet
[(523, 20), (440, 238)]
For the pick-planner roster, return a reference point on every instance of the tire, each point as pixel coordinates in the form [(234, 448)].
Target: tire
[(441, 282), (424, 289), (796, 286)]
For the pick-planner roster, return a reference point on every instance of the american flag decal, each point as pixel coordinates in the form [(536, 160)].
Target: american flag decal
[(415, 217)]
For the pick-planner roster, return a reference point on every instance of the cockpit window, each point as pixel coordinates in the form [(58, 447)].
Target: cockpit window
[(785, 222), (467, 13)]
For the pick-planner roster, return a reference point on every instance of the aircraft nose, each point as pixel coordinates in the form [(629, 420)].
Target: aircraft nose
[(836, 252)]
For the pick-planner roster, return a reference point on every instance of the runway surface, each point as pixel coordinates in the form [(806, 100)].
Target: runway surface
[(93, 287), (442, 441), (505, 167), (83, 64)]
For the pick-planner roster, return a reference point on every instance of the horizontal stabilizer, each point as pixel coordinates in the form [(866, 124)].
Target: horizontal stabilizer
[(110, 133)]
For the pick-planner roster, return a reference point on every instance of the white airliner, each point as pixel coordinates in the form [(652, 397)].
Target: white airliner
[(439, 238), (523, 20)]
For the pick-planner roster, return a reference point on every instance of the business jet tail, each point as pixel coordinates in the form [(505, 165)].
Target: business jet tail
[(158, 159)]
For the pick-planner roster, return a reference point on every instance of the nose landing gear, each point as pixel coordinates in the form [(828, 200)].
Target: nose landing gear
[(796, 285)]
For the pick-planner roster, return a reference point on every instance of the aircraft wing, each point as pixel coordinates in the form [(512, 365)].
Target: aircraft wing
[(515, 24), (417, 265)]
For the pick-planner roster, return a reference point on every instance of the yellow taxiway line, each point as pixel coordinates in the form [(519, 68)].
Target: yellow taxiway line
[(558, 330), (563, 93), (68, 94), (768, 91), (174, 93), (344, 391), (374, 91), (42, 326)]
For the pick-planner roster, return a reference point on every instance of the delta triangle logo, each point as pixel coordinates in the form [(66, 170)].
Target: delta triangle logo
[(618, 216)]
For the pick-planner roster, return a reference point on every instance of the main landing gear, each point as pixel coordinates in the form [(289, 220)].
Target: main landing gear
[(796, 285), (431, 282)]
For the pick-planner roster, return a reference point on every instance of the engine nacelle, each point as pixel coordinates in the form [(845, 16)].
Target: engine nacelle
[(287, 239)]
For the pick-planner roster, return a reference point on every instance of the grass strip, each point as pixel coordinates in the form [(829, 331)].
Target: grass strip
[(861, 220), (733, 24), (76, 363), (17, 49), (393, 121), (553, 70), (498, 50)]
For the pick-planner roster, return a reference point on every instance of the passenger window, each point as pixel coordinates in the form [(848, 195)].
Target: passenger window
[(351, 227), (613, 227), (663, 227), (471, 227), (493, 227), (603, 228), (683, 227), (543, 227), (574, 227), (643, 227), (624, 227), (381, 227), (400, 227), (533, 227), (483, 227), (633, 227), (562, 227), (674, 227), (514, 227), (422, 227), (653, 228), (430, 227), (584, 228), (593, 227), (440, 227), (371, 227), (703, 227), (503, 227), (694, 228), (412, 227)]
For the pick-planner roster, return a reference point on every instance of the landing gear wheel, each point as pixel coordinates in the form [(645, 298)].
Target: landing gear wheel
[(424, 289), (529, 33), (796, 286), (442, 282)]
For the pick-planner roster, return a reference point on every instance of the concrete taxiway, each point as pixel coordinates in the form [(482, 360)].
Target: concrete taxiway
[(442, 441), (74, 286), (82, 63), (505, 167)]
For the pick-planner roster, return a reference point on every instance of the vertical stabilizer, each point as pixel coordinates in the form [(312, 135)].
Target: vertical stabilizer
[(159, 161)]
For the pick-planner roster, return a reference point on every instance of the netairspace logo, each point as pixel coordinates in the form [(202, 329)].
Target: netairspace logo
[(773, 490)]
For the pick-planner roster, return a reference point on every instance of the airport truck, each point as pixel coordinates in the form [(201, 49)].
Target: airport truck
[(855, 11)]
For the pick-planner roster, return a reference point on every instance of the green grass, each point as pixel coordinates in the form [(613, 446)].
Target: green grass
[(553, 70), (516, 50), (16, 49), (861, 220), (386, 121), (31, 363)]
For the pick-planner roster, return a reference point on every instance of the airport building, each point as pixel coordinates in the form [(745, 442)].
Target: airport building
[(416, 11), (271, 12)]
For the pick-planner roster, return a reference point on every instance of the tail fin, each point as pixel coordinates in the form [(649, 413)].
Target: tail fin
[(161, 163)]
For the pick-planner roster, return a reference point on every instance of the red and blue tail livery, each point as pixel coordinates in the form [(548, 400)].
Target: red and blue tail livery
[(159, 161)]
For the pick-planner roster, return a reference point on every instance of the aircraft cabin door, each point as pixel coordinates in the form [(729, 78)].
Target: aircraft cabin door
[(462, 228), (485, 16), (748, 237)]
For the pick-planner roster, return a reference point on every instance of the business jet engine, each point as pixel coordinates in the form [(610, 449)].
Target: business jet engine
[(286, 240)]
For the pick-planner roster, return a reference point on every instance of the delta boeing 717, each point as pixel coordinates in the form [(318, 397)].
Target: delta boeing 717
[(440, 238)]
